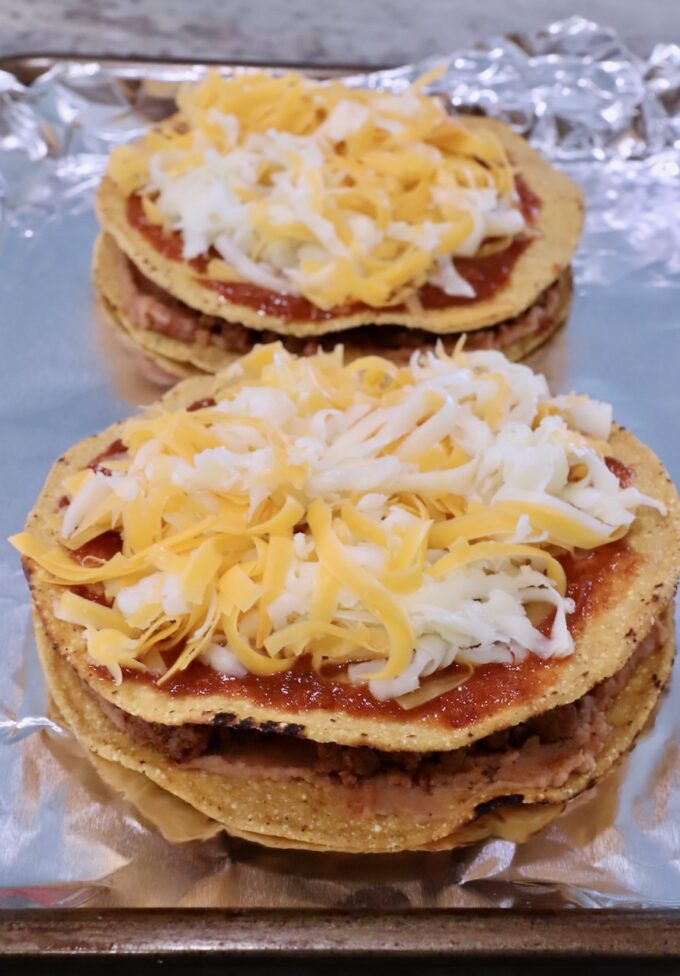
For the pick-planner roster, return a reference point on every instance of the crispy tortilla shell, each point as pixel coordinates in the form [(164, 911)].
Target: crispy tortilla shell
[(609, 635), (181, 357), (318, 813), (148, 345), (557, 231)]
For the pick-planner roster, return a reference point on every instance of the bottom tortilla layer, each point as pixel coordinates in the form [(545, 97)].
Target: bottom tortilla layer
[(179, 822), (186, 342), (314, 807)]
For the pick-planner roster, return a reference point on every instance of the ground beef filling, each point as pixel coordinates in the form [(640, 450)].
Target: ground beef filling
[(542, 752), (155, 310)]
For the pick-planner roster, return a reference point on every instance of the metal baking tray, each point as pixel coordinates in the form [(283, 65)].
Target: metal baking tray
[(533, 931)]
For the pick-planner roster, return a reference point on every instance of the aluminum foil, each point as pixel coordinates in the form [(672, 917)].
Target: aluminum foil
[(67, 836)]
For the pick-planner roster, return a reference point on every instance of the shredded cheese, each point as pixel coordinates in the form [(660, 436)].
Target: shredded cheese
[(388, 520), (334, 193)]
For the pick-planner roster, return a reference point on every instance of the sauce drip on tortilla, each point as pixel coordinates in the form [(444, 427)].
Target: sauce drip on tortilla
[(529, 202), (625, 475), (487, 275), (102, 547), (300, 689), (201, 404), (590, 576), (114, 449), (94, 593)]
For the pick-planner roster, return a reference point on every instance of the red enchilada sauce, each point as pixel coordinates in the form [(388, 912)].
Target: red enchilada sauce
[(301, 690), (115, 449), (487, 275), (529, 202), (167, 243), (201, 404), (590, 576), (102, 548), (95, 593), (624, 474)]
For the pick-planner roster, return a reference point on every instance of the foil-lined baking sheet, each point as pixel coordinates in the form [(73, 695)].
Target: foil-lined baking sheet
[(67, 835)]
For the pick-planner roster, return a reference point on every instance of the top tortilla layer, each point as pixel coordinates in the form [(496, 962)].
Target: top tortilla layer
[(603, 645), (558, 229)]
